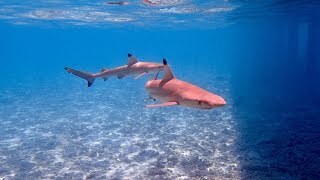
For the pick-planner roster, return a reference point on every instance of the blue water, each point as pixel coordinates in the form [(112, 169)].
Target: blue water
[(262, 57)]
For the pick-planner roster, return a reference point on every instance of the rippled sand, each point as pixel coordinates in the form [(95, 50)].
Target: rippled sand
[(104, 132)]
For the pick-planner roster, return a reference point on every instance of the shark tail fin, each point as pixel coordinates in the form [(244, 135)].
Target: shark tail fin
[(85, 75)]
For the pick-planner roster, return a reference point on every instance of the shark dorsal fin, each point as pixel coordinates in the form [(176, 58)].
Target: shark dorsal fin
[(131, 60), (103, 69), (168, 75)]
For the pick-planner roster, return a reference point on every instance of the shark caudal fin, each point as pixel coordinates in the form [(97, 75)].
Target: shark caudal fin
[(85, 75), (168, 75)]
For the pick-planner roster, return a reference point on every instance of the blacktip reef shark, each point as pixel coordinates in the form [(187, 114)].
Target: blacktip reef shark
[(172, 91), (146, 2), (134, 67), (118, 3), (160, 2)]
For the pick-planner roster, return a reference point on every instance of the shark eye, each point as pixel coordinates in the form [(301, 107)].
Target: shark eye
[(199, 102)]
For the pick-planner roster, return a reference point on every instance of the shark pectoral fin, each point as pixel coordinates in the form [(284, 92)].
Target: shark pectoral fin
[(139, 75), (156, 76), (120, 76), (161, 105)]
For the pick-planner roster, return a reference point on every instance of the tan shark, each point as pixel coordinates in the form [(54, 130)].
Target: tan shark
[(118, 3), (172, 91), (134, 67)]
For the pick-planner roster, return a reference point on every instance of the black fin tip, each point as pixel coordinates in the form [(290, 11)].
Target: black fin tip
[(129, 55), (165, 61)]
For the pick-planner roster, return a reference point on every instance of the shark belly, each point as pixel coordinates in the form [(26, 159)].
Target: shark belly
[(134, 72), (162, 95)]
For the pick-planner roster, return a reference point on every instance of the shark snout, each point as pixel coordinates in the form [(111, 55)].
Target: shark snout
[(218, 102)]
